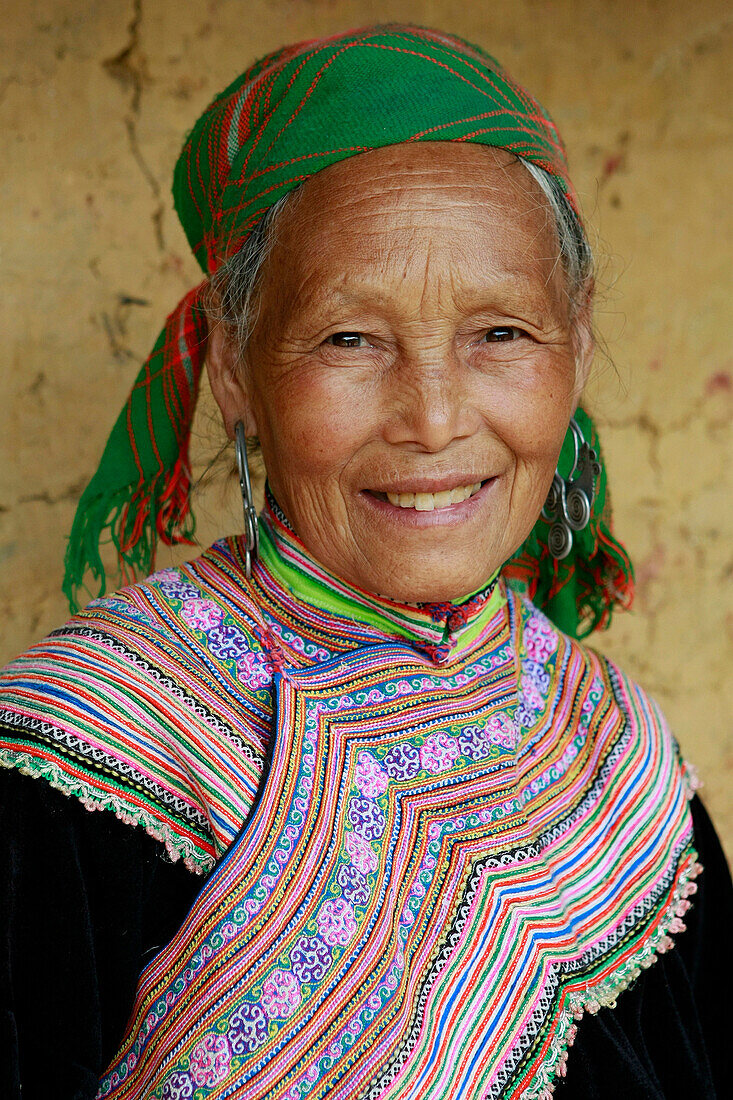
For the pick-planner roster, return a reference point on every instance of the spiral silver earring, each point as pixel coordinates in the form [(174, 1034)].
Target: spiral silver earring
[(570, 500), (251, 524)]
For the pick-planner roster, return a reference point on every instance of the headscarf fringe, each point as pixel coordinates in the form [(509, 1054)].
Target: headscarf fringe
[(133, 523)]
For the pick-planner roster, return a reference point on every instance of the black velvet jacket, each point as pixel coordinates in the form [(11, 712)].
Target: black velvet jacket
[(87, 901)]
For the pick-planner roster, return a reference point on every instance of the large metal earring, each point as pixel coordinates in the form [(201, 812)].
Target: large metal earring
[(251, 524), (570, 500)]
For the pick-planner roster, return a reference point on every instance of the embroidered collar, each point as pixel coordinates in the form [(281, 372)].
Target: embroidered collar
[(443, 631)]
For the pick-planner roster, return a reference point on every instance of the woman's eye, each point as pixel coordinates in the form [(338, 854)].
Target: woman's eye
[(503, 332), (347, 340)]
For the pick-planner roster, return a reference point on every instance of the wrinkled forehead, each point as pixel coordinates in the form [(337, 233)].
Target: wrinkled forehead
[(462, 215), (461, 172)]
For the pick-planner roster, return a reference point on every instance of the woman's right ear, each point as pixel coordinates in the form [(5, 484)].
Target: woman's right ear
[(227, 381)]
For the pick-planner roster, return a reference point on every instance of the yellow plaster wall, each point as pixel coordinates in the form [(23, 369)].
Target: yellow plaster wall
[(95, 97)]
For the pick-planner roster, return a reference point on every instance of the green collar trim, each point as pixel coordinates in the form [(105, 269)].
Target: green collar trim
[(450, 628)]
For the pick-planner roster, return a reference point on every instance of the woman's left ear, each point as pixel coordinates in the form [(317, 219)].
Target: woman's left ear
[(227, 382)]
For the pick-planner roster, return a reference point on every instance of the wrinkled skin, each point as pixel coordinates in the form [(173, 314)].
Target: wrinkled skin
[(463, 364)]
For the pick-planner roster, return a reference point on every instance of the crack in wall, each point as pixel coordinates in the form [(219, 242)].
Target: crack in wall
[(69, 492), (116, 323), (13, 81), (120, 352), (73, 492), (128, 67)]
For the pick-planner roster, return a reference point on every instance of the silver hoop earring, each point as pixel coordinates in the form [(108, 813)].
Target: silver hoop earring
[(251, 524), (570, 500)]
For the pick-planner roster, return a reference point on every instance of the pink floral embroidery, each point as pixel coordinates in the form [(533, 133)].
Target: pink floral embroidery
[(369, 777), (252, 671), (210, 1058), (163, 576), (336, 922), (531, 695), (439, 753), (308, 649), (502, 731), (360, 853), (540, 640), (280, 994), (201, 614)]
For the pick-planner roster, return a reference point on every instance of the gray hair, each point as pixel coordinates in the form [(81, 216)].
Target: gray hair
[(576, 255), (233, 299)]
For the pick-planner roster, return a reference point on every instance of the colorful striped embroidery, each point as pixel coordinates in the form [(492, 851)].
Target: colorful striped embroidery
[(472, 830), (428, 893)]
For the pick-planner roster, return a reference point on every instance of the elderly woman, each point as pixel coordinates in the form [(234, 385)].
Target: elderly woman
[(442, 841)]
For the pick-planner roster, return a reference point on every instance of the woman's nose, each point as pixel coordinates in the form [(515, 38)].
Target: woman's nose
[(428, 403)]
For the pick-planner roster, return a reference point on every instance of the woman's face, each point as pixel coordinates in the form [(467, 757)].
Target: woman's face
[(413, 367)]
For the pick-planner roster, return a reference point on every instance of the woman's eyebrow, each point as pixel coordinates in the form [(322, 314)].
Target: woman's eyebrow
[(512, 292)]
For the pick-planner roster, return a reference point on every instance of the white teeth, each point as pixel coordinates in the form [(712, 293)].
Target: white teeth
[(427, 502), (402, 500)]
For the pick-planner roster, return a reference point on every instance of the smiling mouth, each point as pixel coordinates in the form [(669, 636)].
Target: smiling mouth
[(430, 502)]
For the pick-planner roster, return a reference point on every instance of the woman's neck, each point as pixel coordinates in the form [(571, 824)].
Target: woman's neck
[(442, 629)]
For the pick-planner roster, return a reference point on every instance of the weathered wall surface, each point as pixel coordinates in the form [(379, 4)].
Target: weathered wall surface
[(95, 97)]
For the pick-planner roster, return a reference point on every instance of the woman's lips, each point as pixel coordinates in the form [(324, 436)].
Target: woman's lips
[(430, 501), (429, 508)]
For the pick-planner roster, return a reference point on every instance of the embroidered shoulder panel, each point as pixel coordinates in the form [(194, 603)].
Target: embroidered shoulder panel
[(154, 703), (446, 867)]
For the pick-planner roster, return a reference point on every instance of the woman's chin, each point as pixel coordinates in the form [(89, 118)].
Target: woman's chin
[(428, 556), (447, 572)]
